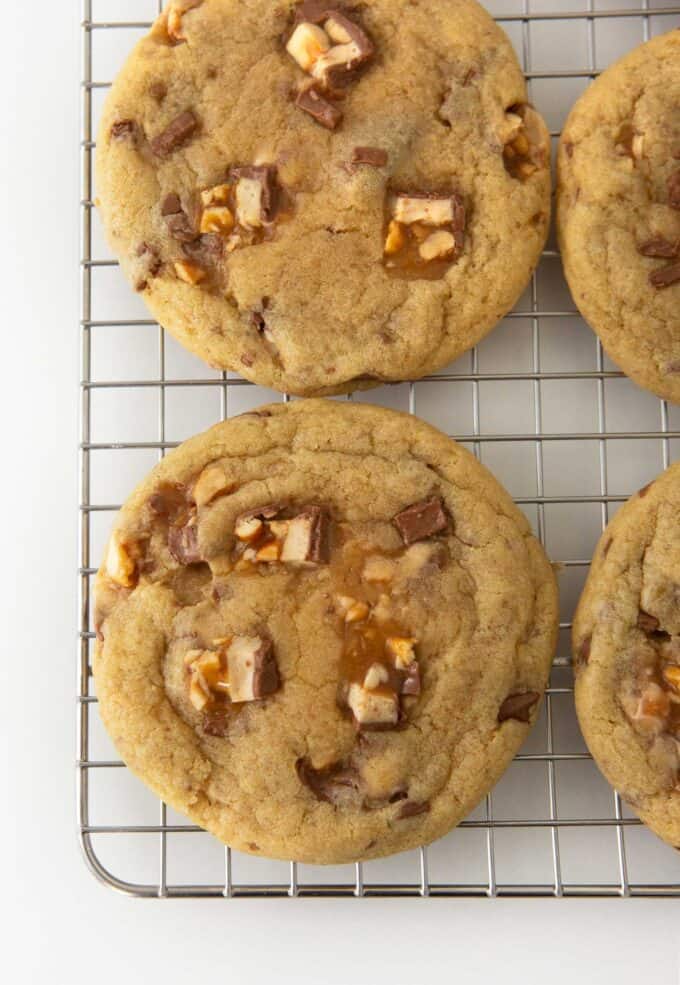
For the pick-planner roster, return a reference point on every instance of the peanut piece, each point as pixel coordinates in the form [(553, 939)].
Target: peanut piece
[(437, 246), (210, 483), (119, 565), (189, 272), (217, 219), (396, 238)]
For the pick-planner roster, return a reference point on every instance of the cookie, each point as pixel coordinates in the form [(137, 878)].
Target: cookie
[(627, 655), (322, 197), (619, 212), (323, 631)]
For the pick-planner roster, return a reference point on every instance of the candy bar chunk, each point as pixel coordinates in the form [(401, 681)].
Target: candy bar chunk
[(333, 784), (256, 195), (306, 540), (253, 672), (177, 133), (422, 520), (183, 543), (373, 709), (428, 209), (325, 113), (353, 50), (518, 706)]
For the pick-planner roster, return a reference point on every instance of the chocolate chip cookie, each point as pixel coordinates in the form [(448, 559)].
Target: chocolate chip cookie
[(323, 196), (323, 631), (627, 655), (619, 212)]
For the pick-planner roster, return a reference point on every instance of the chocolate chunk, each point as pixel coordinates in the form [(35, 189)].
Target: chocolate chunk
[(645, 489), (665, 276), (412, 808), (183, 543), (330, 784), (583, 655), (569, 148), (151, 263), (518, 706), (397, 796), (216, 722), (205, 249), (180, 227), (159, 91), (648, 624), (660, 247), (375, 156), (266, 174), (169, 501), (311, 101), (266, 678), (606, 547), (411, 684), (422, 520), (674, 190), (123, 129), (175, 134), (171, 204), (313, 11), (257, 319)]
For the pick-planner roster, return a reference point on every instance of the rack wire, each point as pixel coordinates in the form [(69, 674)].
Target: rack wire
[(538, 402)]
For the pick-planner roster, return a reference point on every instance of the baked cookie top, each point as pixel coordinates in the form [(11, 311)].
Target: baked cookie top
[(627, 654), (619, 212), (323, 631), (321, 197)]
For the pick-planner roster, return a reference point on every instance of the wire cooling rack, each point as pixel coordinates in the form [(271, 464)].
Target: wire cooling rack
[(537, 402)]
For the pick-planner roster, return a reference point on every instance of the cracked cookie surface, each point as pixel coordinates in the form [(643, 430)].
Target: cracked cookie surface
[(317, 290), (627, 654), (619, 212), (323, 631)]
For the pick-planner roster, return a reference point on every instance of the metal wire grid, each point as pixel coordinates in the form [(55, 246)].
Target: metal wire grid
[(426, 873)]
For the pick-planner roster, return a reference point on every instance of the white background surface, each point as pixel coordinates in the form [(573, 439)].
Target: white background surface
[(57, 924)]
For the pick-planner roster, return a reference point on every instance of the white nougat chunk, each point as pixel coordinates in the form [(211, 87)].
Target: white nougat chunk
[(375, 676), (336, 32), (306, 45), (249, 203), (373, 708), (430, 211), (241, 661), (298, 542)]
